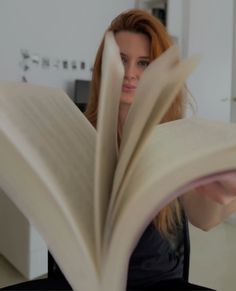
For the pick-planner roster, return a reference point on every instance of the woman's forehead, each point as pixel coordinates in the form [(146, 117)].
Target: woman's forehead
[(132, 42)]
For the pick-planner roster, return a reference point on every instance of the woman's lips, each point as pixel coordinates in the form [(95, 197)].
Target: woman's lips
[(128, 88)]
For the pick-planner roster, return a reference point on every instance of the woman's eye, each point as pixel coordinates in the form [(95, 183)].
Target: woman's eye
[(143, 63), (124, 60)]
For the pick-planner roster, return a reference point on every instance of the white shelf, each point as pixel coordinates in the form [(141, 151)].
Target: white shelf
[(20, 242)]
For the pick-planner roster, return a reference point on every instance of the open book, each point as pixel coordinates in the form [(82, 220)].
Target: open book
[(90, 200)]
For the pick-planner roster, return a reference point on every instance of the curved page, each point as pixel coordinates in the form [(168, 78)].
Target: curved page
[(47, 156), (176, 154), (106, 147)]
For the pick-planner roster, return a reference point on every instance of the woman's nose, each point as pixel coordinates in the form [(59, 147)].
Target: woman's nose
[(131, 71)]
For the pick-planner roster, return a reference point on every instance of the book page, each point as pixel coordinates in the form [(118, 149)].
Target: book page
[(141, 119), (106, 147), (47, 168), (176, 154)]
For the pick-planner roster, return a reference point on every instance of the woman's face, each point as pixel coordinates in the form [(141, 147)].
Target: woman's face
[(135, 55)]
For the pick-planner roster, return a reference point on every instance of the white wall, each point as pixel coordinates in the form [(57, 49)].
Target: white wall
[(175, 21), (206, 27), (55, 29), (211, 34), (233, 101)]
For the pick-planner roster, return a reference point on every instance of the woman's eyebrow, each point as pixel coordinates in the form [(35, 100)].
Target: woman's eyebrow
[(140, 57), (144, 57)]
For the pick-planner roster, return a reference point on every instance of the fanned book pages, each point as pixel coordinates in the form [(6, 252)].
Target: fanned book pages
[(79, 190)]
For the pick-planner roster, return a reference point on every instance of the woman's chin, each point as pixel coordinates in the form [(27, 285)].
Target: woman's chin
[(126, 99)]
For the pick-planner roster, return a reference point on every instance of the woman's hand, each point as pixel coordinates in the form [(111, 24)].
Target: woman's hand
[(222, 191)]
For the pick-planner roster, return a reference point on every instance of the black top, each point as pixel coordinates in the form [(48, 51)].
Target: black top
[(154, 259), (154, 265)]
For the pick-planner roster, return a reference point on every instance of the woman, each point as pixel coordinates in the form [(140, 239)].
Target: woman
[(158, 256)]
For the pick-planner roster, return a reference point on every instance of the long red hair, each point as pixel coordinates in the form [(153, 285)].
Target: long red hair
[(140, 21)]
